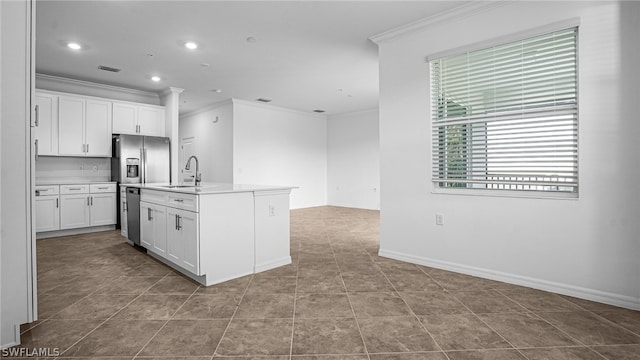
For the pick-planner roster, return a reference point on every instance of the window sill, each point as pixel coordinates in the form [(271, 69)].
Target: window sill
[(506, 193)]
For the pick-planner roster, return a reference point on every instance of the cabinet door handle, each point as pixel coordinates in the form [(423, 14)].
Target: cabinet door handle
[(103, 188), (149, 217), (57, 205), (179, 222), (75, 188), (91, 200), (87, 201), (87, 147), (179, 200), (37, 121), (37, 192), (36, 156)]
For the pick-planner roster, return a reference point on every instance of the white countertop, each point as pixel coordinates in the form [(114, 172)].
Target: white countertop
[(209, 188), (71, 182)]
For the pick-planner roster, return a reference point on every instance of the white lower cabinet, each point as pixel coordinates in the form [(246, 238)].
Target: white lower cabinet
[(102, 209), (169, 228), (153, 236), (182, 239), (47, 213), (74, 211), (86, 205)]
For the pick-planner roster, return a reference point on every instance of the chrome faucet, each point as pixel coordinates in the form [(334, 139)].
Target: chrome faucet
[(198, 175)]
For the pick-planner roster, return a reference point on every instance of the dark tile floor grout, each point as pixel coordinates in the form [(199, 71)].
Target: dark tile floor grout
[(338, 301)]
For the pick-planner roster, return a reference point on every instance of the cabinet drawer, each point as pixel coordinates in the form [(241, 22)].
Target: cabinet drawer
[(102, 188), (183, 201), (152, 196), (42, 190), (74, 189)]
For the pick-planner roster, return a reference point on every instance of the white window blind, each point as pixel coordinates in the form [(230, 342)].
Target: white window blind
[(506, 117)]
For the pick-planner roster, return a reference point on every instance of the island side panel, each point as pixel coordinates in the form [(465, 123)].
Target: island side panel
[(272, 242), (226, 236)]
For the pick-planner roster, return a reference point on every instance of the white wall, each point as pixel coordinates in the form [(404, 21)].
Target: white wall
[(587, 247), (212, 141), (353, 160), (277, 146), (15, 172)]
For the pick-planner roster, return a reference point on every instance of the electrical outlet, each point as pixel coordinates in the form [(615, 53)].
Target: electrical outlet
[(439, 219), (375, 189), (272, 210), (94, 168)]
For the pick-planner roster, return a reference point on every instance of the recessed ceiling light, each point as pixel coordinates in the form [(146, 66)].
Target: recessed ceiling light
[(191, 45), (74, 46), (205, 65), (217, 91), (251, 39), (156, 78)]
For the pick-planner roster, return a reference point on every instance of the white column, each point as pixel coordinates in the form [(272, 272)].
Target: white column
[(17, 286), (171, 100)]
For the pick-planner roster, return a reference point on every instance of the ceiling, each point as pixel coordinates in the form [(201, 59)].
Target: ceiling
[(306, 55)]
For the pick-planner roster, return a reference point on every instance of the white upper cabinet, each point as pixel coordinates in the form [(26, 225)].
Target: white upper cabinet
[(71, 125), (138, 119), (46, 131), (98, 128), (77, 125), (125, 118), (151, 121), (84, 127)]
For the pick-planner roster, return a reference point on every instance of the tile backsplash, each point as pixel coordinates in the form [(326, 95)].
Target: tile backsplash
[(63, 168)]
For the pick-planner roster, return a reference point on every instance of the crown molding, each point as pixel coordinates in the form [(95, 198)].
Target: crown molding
[(69, 81), (277, 108), (456, 13), (354, 113), (206, 108)]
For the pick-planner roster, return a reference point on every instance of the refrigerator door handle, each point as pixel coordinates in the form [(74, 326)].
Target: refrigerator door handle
[(144, 163)]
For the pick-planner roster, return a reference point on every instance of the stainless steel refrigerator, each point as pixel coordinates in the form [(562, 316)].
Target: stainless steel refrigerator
[(138, 160)]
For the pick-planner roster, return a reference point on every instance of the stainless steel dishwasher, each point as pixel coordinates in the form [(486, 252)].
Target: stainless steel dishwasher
[(133, 215)]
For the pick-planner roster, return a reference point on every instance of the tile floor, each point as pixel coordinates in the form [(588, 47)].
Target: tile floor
[(102, 299)]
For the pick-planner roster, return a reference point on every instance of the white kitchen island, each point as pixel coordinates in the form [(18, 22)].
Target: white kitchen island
[(216, 232)]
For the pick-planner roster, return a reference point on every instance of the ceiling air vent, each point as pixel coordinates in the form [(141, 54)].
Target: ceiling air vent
[(263, 100), (318, 111), (108, 68)]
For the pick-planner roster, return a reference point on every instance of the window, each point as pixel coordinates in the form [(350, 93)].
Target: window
[(506, 117)]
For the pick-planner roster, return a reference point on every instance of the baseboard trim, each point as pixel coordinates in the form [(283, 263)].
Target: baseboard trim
[(272, 264), (555, 287), (77, 231)]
